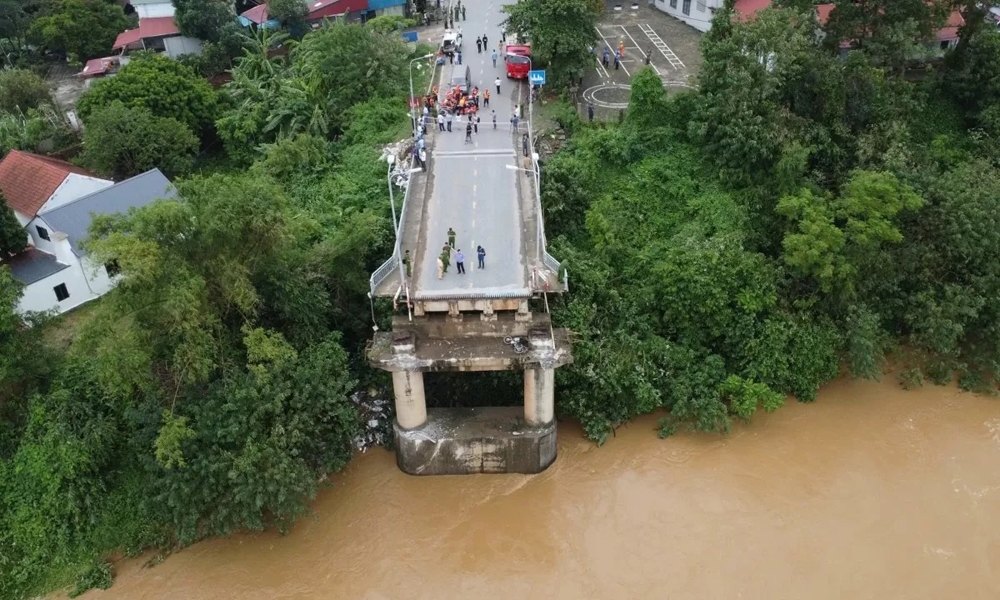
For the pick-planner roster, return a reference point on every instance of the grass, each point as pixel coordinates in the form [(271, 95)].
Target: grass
[(60, 332)]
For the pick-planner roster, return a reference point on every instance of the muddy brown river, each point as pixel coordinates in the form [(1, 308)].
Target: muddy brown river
[(870, 492)]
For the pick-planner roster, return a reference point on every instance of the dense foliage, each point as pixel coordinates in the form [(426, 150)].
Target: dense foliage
[(22, 90), (799, 213), (122, 141), (79, 29), (561, 34), (209, 391), (13, 238), (164, 86)]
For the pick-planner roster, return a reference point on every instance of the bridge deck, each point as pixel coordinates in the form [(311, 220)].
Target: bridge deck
[(470, 188)]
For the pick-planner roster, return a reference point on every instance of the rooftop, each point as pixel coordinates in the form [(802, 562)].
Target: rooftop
[(148, 28), (73, 218), (33, 265), (27, 180)]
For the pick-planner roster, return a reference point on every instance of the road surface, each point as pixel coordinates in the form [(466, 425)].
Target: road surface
[(472, 189)]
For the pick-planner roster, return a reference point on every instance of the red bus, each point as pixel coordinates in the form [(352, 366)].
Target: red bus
[(518, 61)]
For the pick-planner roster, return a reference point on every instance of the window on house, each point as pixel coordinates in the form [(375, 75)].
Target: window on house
[(112, 268), (686, 7), (42, 232), (61, 292), (700, 6), (945, 44), (673, 3)]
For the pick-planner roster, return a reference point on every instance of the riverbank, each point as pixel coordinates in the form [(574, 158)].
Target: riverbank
[(870, 492)]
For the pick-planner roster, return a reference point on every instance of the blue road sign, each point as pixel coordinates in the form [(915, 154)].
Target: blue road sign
[(410, 36), (536, 77)]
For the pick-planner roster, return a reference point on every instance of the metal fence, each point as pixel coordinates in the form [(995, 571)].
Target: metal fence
[(551, 262), (382, 272), (393, 262)]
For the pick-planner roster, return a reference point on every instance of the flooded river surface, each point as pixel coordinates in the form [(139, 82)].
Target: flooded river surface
[(870, 492)]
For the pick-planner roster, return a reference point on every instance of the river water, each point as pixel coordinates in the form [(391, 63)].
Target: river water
[(870, 492)]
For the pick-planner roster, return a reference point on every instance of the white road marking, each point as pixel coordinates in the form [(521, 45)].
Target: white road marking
[(644, 55), (662, 46), (627, 74), (474, 153)]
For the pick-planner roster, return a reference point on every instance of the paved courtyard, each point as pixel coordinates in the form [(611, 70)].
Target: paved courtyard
[(672, 49)]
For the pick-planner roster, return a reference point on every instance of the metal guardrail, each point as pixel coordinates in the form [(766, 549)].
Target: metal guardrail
[(382, 272), (551, 262), (387, 267)]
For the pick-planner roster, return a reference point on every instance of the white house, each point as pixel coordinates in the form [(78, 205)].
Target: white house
[(56, 202), (696, 13)]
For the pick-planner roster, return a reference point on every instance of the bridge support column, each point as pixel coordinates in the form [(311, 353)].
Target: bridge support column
[(411, 405), (539, 396)]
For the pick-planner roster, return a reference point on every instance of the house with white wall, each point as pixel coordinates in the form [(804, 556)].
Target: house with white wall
[(56, 272), (696, 13)]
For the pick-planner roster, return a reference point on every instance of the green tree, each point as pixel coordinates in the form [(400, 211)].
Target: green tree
[(204, 19), (886, 30), (259, 441), (290, 13), (22, 90), (647, 105), (561, 33), (746, 116), (335, 68), (835, 239), (13, 238), (257, 80), (16, 17), (81, 29), (120, 142), (165, 87), (974, 77), (390, 23)]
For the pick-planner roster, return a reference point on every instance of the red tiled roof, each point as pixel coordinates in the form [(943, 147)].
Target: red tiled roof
[(157, 27), (257, 14), (148, 28), (28, 180), (824, 10), (748, 8), (126, 38)]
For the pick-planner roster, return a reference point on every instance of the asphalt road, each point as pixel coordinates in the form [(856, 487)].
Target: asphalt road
[(472, 190)]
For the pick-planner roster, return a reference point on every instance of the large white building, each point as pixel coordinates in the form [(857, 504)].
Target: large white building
[(55, 202)]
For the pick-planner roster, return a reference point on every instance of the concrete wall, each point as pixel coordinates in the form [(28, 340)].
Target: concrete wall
[(699, 17), (40, 296), (84, 280)]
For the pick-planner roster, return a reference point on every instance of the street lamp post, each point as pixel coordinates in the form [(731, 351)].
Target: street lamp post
[(413, 118), (538, 203)]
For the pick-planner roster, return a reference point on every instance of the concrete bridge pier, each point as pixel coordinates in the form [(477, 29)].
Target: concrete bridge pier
[(460, 440), (411, 405), (539, 383), (539, 396)]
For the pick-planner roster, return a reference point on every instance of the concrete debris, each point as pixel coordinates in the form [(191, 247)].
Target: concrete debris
[(376, 411)]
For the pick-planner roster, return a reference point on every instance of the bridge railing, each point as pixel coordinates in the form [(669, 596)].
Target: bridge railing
[(382, 272), (387, 267)]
